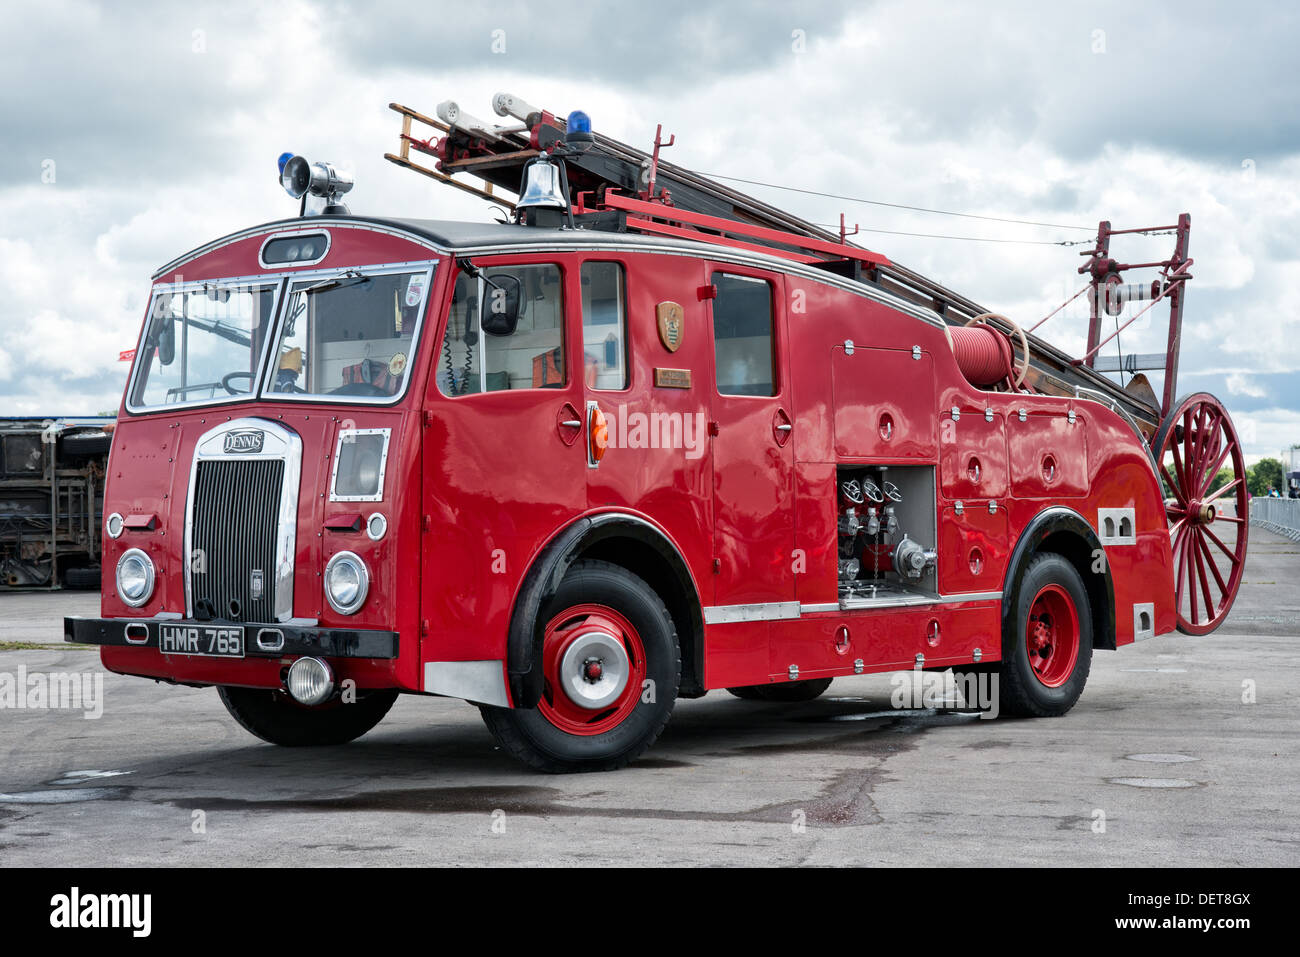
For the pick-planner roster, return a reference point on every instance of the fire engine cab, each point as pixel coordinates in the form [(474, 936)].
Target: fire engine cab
[(646, 438)]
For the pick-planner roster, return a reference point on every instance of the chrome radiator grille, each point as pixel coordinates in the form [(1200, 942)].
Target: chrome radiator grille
[(236, 507)]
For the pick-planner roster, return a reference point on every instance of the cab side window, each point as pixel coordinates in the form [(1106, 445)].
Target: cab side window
[(604, 326), (531, 357), (743, 340)]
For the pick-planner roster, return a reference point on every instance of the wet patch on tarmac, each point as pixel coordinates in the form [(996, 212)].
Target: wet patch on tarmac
[(1161, 758), (1155, 782), (66, 796)]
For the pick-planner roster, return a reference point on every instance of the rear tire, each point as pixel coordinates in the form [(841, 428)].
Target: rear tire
[(275, 717), (1047, 648), (787, 691), (611, 666)]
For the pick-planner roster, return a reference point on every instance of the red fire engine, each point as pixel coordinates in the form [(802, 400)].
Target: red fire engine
[(651, 437)]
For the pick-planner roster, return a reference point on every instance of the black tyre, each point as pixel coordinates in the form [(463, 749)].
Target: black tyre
[(275, 717), (784, 691), (1047, 644), (611, 666)]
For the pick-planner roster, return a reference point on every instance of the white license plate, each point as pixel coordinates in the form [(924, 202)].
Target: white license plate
[(209, 640)]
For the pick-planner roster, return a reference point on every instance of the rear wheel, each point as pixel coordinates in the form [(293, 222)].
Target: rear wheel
[(275, 717), (783, 691), (1047, 646), (1209, 517), (611, 667)]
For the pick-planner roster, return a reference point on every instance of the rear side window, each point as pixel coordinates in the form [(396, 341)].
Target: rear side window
[(744, 357), (604, 326), (532, 357)]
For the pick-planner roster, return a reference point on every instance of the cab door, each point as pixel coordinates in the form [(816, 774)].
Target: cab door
[(504, 460), (753, 448)]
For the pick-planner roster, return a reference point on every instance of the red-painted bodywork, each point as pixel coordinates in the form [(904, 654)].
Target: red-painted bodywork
[(478, 485)]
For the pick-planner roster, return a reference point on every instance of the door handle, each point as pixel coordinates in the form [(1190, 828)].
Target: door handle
[(781, 427), (568, 423)]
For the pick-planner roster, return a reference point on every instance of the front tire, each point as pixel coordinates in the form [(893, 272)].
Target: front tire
[(611, 668), (275, 717), (1047, 644)]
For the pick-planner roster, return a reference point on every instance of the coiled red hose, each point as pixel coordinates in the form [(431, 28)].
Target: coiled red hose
[(983, 354)]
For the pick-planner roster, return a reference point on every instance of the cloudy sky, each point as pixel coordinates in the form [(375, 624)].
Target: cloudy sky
[(134, 131)]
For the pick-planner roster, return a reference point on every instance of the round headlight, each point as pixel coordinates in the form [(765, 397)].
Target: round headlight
[(310, 681), (114, 525), (135, 577), (346, 583)]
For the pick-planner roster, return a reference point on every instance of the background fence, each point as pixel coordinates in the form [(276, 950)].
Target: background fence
[(1280, 515)]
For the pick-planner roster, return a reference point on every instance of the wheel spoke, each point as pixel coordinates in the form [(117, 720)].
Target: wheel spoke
[(1227, 488), (1215, 538), (1174, 487), (1179, 487), (1207, 475), (1191, 580), (1214, 569), (1205, 582)]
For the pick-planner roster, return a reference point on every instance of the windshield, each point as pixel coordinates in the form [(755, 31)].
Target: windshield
[(203, 343), (348, 335)]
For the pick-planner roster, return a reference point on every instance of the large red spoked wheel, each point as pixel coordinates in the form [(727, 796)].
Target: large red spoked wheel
[(1207, 528)]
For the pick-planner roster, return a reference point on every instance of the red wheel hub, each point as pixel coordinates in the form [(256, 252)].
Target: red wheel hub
[(1052, 636), (594, 668)]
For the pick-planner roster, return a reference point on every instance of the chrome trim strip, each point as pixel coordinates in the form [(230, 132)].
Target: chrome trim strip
[(243, 234), (817, 608), (909, 601), (716, 254), (767, 611), (784, 610), (261, 252), (280, 443), (481, 681)]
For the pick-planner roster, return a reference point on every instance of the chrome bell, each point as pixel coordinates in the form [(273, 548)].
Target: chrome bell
[(542, 188)]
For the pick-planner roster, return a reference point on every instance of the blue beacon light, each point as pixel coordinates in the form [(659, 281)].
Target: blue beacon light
[(578, 131)]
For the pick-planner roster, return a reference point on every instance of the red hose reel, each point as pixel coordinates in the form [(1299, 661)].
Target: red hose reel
[(985, 355)]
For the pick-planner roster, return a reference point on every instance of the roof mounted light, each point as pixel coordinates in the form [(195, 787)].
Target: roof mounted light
[(299, 178), (578, 136)]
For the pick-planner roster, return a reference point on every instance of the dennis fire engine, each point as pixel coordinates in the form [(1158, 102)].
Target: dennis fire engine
[(648, 438)]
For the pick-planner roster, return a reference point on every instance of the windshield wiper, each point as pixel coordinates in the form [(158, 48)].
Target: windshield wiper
[(337, 281)]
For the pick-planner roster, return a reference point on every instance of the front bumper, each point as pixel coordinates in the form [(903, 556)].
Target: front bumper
[(260, 640)]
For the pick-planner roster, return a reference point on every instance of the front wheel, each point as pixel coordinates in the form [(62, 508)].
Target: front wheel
[(1047, 644), (275, 717), (611, 667)]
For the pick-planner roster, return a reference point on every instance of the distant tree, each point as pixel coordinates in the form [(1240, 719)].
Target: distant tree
[(1264, 475), (1220, 480)]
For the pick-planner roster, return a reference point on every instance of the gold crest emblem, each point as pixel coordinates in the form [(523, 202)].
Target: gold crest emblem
[(672, 324)]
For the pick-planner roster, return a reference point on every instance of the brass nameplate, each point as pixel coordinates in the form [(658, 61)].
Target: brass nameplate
[(673, 378)]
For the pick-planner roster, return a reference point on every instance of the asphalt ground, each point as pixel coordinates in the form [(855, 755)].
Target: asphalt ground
[(1182, 751)]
